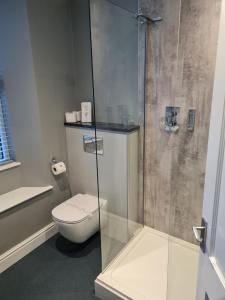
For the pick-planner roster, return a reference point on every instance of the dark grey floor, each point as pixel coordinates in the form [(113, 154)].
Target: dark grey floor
[(57, 270)]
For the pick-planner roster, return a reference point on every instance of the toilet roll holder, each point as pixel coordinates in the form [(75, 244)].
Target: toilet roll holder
[(57, 168), (53, 161)]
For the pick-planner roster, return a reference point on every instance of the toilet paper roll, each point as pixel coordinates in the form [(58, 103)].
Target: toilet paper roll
[(58, 168)]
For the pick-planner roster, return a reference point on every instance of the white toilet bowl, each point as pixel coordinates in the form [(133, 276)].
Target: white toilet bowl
[(78, 217)]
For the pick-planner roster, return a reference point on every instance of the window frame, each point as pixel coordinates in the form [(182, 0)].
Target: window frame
[(5, 144)]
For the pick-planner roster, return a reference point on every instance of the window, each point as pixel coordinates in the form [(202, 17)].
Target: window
[(5, 148)]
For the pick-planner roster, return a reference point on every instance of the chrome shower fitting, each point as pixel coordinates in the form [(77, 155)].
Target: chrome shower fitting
[(171, 119), (151, 18)]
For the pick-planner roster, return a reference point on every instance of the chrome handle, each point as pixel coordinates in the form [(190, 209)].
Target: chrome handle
[(198, 232)]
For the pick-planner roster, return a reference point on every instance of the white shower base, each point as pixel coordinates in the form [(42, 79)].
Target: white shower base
[(153, 266)]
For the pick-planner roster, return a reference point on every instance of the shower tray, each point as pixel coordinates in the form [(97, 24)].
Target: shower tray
[(152, 266)]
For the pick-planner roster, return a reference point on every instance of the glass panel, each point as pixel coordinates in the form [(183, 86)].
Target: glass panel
[(115, 63), (119, 112)]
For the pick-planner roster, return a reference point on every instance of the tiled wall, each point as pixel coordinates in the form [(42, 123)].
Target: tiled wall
[(181, 60)]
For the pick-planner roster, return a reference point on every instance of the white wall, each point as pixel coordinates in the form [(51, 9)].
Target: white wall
[(51, 40), (35, 59), (82, 64), (16, 64)]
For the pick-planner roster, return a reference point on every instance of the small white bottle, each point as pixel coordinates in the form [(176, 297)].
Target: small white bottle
[(70, 117), (86, 109), (78, 116)]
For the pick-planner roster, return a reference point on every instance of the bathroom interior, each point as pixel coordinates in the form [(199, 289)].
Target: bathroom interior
[(104, 123)]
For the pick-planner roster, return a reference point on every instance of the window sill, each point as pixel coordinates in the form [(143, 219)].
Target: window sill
[(9, 165)]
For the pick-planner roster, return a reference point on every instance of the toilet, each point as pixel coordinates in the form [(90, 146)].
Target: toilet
[(78, 217)]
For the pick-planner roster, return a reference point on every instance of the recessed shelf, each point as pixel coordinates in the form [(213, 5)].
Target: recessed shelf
[(105, 126), (21, 195)]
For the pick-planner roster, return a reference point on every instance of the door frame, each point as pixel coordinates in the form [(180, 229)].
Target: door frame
[(210, 276)]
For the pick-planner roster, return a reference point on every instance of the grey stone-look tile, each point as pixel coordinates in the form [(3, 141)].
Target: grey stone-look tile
[(181, 60)]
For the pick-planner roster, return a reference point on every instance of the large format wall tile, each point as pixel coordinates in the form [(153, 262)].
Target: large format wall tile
[(181, 60)]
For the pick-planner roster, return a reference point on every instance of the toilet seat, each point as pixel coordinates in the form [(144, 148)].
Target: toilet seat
[(76, 209), (68, 214)]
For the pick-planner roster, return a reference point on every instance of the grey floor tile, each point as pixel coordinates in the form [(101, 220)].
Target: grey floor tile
[(57, 270)]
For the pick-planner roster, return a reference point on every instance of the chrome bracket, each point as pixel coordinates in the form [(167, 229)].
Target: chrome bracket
[(153, 18), (200, 233)]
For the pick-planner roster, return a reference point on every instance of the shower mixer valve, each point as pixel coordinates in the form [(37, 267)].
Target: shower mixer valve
[(171, 124)]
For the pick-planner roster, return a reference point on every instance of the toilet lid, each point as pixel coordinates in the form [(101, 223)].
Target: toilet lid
[(68, 214), (77, 208), (86, 202)]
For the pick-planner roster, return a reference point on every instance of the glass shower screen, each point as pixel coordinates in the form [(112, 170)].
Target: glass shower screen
[(118, 76)]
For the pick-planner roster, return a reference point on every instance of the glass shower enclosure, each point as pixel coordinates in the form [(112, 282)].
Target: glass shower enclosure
[(164, 264), (118, 56)]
